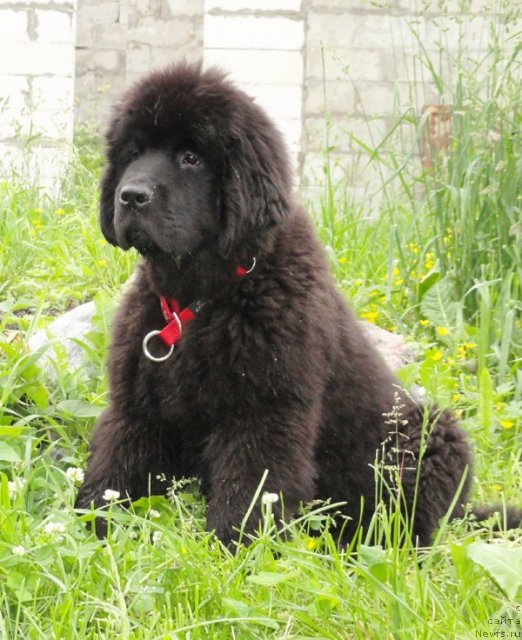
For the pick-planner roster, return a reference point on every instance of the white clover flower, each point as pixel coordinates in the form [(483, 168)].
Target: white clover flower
[(154, 514), (157, 537), (419, 393), (75, 475), (19, 550), (110, 495), (55, 531), (270, 498), (15, 487)]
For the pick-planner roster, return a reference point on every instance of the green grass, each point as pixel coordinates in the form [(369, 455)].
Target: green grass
[(442, 268)]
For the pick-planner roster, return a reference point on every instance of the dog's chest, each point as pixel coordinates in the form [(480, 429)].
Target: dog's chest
[(186, 388)]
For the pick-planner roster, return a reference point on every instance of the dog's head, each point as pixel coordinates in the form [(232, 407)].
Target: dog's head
[(192, 162)]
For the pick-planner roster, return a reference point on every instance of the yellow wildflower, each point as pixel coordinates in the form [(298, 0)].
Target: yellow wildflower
[(456, 397), (371, 316), (507, 424), (311, 544), (59, 212), (395, 272), (496, 488), (424, 323), (413, 247), (442, 331), (436, 356), (102, 262), (342, 260)]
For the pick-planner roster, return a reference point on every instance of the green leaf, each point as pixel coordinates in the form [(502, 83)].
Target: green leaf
[(372, 555), (7, 453), (375, 558), (80, 408), (503, 563), (38, 394), (439, 305), (427, 283), (269, 578), (324, 604), (143, 603), (7, 430), (238, 607)]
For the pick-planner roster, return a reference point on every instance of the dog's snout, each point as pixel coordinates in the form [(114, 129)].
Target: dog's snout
[(137, 196)]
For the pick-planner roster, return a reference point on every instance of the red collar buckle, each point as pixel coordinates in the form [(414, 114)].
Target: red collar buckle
[(177, 319)]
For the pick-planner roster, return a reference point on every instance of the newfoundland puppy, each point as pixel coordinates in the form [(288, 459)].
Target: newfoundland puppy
[(233, 352)]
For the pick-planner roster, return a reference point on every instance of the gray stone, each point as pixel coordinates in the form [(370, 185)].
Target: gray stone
[(66, 330), (72, 327), (392, 347)]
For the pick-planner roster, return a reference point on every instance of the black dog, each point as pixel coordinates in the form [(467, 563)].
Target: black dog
[(233, 352)]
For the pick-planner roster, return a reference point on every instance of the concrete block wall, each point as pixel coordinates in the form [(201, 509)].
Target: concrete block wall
[(37, 79), (351, 64), (261, 45), (120, 40), (365, 63)]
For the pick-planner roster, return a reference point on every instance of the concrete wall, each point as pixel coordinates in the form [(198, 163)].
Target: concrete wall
[(330, 72), (120, 40), (337, 73), (367, 63), (261, 44), (37, 80)]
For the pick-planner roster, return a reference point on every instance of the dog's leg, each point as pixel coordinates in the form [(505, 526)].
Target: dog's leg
[(433, 438), (125, 457), (236, 461)]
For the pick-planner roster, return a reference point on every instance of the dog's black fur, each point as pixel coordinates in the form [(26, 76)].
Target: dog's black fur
[(274, 373)]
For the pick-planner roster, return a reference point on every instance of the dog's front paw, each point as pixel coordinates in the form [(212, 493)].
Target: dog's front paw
[(225, 525), (90, 498)]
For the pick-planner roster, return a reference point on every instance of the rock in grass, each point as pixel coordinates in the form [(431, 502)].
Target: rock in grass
[(67, 332), (70, 329), (393, 348)]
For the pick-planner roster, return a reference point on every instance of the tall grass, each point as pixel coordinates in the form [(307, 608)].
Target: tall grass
[(52, 255), (454, 230), (474, 192)]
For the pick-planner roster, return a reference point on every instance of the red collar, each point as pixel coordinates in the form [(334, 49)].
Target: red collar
[(177, 319)]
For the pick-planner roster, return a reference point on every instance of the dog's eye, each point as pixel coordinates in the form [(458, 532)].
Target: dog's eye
[(129, 152), (190, 159)]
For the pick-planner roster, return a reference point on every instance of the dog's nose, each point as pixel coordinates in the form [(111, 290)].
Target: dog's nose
[(137, 196)]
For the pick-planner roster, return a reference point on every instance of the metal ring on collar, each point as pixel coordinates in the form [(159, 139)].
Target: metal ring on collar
[(146, 351), (252, 267)]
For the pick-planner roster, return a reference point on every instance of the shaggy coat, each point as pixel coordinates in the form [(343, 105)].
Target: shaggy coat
[(274, 372)]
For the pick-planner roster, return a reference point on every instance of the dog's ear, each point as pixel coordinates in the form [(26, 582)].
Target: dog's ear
[(110, 178), (254, 188), (107, 189)]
